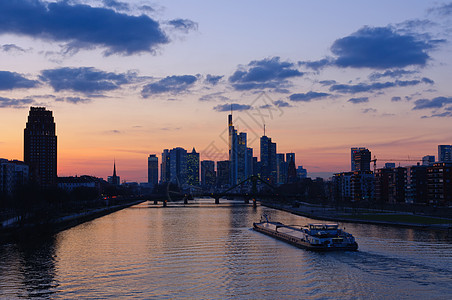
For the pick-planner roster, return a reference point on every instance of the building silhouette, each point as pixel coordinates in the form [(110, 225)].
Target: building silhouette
[(13, 175), (208, 176), (40, 147), (223, 173), (268, 159), (114, 179), (153, 170), (178, 165), (239, 155), (360, 159), (193, 168), (444, 153), (165, 172)]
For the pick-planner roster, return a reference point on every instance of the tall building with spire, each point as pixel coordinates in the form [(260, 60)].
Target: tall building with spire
[(193, 168), (268, 159), (114, 179), (238, 155), (40, 147)]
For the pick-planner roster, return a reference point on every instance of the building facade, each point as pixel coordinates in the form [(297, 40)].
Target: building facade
[(193, 168), (208, 175), (40, 147), (444, 153), (360, 159), (13, 175), (153, 170)]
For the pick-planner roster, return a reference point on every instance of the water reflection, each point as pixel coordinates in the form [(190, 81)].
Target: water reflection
[(29, 267), (207, 251)]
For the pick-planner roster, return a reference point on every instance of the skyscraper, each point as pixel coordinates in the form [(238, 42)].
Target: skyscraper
[(40, 147), (178, 165), (165, 173), (193, 168), (153, 170), (208, 175), (360, 159), (223, 171), (238, 154), (268, 159), (444, 153)]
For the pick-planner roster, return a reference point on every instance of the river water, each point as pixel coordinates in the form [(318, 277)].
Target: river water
[(208, 251)]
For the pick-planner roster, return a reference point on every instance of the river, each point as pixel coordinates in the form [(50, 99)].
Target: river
[(207, 251)]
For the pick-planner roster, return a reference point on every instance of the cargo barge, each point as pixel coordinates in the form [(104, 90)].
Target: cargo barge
[(315, 237)]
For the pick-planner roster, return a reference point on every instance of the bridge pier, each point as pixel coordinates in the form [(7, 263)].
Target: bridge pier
[(164, 203), (156, 202), (217, 200), (254, 203), (247, 201), (185, 200)]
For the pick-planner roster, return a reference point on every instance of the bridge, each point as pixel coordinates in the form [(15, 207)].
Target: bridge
[(229, 193)]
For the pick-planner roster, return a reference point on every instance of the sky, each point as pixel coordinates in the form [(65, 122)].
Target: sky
[(126, 79)]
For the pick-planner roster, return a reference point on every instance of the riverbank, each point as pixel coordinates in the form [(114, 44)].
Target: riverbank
[(10, 233), (365, 216)]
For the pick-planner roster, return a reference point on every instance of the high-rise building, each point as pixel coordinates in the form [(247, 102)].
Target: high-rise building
[(193, 168), (114, 179), (428, 160), (291, 168), (165, 170), (223, 171), (238, 154), (416, 185), (281, 168), (178, 165), (360, 159), (268, 159), (153, 170), (444, 153), (208, 176), (439, 182), (302, 172), (13, 175), (40, 147)]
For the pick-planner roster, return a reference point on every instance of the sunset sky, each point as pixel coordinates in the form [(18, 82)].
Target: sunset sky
[(128, 79)]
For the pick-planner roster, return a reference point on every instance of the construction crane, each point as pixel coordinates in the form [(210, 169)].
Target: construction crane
[(391, 159)]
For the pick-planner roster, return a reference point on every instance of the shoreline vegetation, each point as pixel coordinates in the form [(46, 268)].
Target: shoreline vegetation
[(364, 216)]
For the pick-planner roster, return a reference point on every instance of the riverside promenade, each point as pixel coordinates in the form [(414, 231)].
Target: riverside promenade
[(13, 230), (364, 215)]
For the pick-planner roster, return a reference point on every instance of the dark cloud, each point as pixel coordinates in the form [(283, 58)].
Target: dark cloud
[(11, 48), (116, 5), (281, 103), (81, 26), (444, 10), (364, 87), (308, 96), (317, 65), (171, 84), (73, 100), (12, 80), (266, 73), (358, 100), (380, 48), (369, 110), (214, 97), (391, 73), (434, 103), (213, 79), (15, 103), (84, 80), (327, 82), (234, 107), (396, 99), (184, 25)]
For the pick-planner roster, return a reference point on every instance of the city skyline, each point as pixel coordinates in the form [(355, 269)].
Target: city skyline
[(297, 74)]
